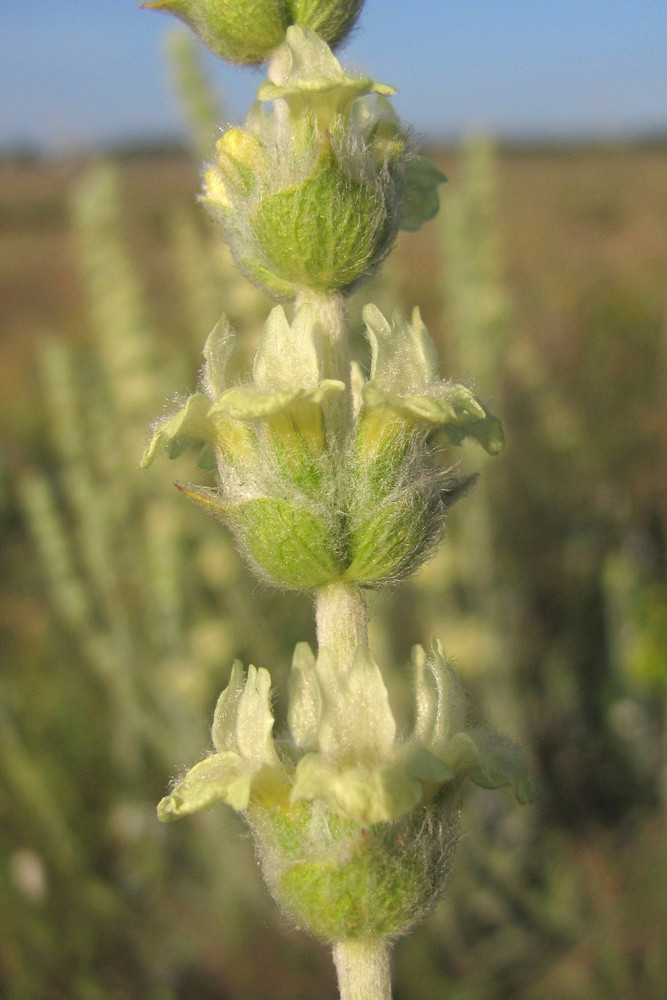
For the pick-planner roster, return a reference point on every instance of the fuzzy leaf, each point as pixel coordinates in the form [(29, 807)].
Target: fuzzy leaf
[(242, 31), (291, 544), (491, 761), (394, 538), (421, 201), (325, 231)]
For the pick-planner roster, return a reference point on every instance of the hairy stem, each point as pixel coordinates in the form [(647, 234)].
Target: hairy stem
[(363, 970), (342, 620)]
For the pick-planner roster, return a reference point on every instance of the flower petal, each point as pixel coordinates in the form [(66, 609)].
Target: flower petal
[(224, 777), (288, 356), (245, 403), (226, 711), (363, 794), (305, 700), (356, 722), (254, 726), (174, 434), (404, 359), (440, 700), (219, 347), (306, 74)]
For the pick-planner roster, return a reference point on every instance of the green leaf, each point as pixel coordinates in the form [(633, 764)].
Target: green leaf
[(491, 761), (421, 201)]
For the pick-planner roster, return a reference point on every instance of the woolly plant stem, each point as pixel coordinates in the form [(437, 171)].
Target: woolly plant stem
[(363, 970), (342, 620)]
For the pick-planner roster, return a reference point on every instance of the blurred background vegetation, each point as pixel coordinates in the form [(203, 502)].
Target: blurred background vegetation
[(121, 607)]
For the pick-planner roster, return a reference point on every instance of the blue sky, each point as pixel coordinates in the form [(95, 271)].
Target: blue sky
[(78, 72)]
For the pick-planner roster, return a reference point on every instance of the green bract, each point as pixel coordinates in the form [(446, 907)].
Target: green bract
[(247, 31), (311, 192)]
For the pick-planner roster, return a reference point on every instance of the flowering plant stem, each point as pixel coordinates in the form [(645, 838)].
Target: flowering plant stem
[(342, 620), (363, 970), (331, 482)]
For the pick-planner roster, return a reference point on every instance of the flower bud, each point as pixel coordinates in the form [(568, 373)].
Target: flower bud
[(247, 31)]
